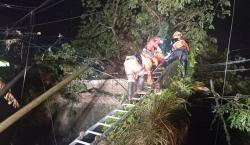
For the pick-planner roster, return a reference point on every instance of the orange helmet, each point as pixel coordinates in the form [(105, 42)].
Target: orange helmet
[(177, 34)]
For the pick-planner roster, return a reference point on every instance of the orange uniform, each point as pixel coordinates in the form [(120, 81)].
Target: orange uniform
[(151, 55)]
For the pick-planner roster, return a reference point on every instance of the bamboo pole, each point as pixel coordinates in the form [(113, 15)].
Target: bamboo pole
[(13, 81), (20, 113)]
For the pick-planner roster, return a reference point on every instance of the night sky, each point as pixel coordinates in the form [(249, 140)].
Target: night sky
[(70, 8), (62, 9)]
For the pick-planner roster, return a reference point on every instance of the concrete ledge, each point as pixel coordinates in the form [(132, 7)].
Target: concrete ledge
[(113, 86)]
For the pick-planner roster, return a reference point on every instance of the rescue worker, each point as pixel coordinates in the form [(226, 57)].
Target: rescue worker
[(180, 49), (135, 74), (151, 55)]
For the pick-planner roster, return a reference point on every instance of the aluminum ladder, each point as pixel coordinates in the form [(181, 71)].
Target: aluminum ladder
[(106, 124)]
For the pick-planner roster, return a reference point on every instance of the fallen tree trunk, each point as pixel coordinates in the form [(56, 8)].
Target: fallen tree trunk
[(40, 99)]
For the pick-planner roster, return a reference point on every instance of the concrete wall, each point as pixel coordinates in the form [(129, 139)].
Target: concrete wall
[(89, 110), (113, 86)]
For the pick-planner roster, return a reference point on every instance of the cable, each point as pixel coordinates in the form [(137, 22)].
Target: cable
[(228, 50), (231, 62), (235, 70), (240, 49), (18, 6), (10, 7), (115, 78), (65, 19), (56, 21), (50, 6), (225, 71), (27, 57), (59, 20), (31, 12)]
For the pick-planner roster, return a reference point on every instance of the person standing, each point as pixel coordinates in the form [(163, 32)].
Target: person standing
[(135, 74)]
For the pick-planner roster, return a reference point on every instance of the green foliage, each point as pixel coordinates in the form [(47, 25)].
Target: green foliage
[(149, 124), (239, 114), (181, 87), (158, 119), (75, 87), (57, 64), (113, 26)]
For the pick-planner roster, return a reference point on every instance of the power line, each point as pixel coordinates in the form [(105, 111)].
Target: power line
[(27, 57), (56, 21), (50, 6), (230, 62), (224, 81), (240, 49), (228, 50), (59, 20), (17, 6), (65, 19), (31, 12), (235, 70)]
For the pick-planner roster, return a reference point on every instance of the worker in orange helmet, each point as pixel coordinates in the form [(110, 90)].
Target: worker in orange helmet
[(135, 74), (180, 49), (151, 55)]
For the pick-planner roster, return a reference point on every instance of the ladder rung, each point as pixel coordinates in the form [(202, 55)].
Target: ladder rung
[(82, 142), (157, 72), (104, 124), (131, 105), (137, 99), (93, 132), (141, 93), (118, 110), (113, 117)]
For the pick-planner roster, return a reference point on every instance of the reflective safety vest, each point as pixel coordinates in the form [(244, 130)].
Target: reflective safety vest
[(147, 53), (180, 44)]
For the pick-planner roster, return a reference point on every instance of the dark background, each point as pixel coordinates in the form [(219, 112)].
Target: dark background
[(70, 8), (64, 9)]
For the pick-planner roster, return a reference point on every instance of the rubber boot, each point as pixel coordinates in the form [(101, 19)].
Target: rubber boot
[(131, 86), (140, 83), (185, 65)]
